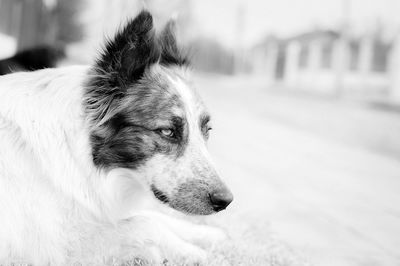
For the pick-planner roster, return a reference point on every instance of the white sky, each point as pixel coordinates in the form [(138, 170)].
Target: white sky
[(218, 18)]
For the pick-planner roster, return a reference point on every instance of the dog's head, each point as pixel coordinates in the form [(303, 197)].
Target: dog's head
[(145, 116)]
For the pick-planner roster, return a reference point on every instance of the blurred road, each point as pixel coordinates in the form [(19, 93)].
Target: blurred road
[(321, 175)]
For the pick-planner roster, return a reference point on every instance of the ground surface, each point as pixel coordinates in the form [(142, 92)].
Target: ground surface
[(315, 180)]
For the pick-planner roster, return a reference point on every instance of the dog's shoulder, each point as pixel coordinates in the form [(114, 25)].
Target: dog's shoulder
[(42, 89), (24, 78)]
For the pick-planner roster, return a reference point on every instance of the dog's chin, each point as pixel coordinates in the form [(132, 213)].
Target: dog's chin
[(193, 209), (188, 205)]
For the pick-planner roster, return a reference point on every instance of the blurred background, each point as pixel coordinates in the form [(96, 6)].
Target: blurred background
[(306, 103)]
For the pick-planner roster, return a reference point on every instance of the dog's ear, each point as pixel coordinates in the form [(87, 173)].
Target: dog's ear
[(130, 52), (121, 64), (170, 52)]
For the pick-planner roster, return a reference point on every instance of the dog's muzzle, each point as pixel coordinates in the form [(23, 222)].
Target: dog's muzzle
[(200, 198)]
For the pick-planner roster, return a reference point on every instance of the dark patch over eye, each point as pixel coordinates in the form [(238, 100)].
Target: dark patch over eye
[(125, 143), (118, 122), (145, 125)]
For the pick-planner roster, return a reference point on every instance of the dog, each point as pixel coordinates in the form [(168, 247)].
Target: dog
[(82, 146), (32, 59)]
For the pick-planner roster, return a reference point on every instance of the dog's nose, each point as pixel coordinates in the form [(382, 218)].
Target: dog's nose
[(220, 199)]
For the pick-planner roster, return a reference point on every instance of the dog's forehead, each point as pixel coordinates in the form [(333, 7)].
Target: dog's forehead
[(179, 83)]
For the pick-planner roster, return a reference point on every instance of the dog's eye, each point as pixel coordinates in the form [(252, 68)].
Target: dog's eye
[(206, 131), (167, 132)]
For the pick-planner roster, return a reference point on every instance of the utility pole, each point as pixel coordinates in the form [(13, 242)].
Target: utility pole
[(342, 64), (239, 30)]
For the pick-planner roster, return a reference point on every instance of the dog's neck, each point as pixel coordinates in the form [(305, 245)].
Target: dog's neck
[(45, 107)]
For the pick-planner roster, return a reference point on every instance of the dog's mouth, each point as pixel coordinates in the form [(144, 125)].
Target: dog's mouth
[(159, 194)]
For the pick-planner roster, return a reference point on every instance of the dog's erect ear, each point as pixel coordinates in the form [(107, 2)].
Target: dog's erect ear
[(130, 52), (170, 52), (121, 64)]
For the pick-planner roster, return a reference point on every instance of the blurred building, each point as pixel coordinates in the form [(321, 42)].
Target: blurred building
[(27, 22), (328, 62), (81, 27), (30, 23)]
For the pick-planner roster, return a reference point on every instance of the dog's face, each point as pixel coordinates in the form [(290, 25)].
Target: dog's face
[(145, 116)]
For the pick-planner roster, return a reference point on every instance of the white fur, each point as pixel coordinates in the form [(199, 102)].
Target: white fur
[(55, 206)]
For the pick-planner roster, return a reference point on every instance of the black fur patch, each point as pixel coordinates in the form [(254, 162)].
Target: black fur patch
[(32, 59), (127, 55), (127, 105)]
